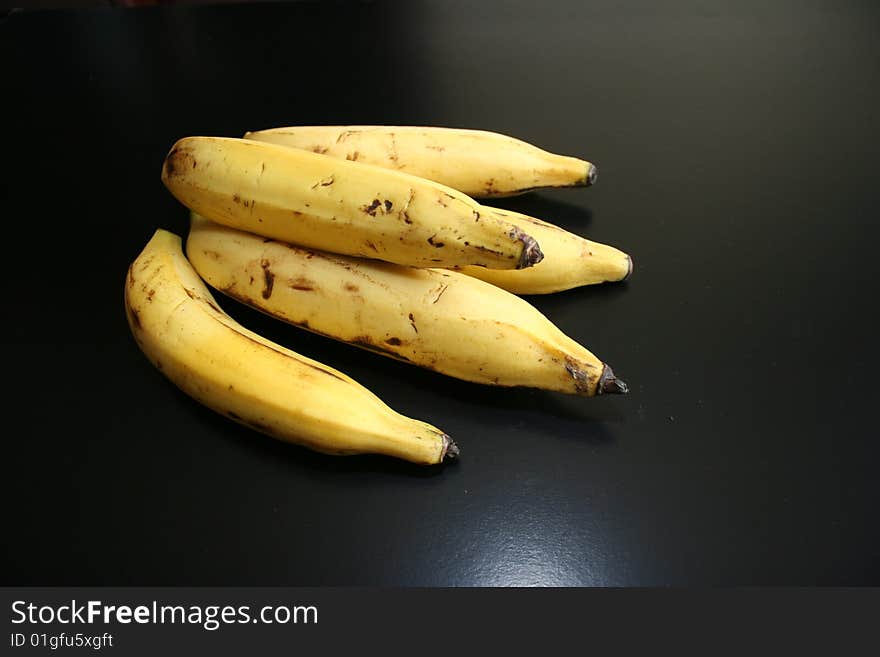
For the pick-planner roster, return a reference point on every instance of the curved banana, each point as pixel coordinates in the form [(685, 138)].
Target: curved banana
[(255, 382), (434, 318), (569, 260), (320, 202), (478, 163)]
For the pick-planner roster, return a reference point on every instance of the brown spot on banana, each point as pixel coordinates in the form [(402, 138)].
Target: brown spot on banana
[(148, 261), (170, 166), (412, 321), (326, 182), (302, 284), (395, 342), (580, 377), (486, 249), (605, 384), (365, 342), (351, 287), (392, 155), (177, 161), (268, 279), (372, 207)]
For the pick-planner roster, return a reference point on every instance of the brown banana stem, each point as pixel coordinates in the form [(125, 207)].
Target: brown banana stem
[(450, 449), (531, 254), (610, 384), (592, 175)]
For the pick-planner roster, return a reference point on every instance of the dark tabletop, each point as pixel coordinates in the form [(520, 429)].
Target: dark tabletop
[(737, 147)]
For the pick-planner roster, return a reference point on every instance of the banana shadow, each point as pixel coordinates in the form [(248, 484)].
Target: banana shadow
[(563, 416), (570, 216), (589, 300)]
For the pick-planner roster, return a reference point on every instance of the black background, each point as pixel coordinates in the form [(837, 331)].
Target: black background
[(737, 147)]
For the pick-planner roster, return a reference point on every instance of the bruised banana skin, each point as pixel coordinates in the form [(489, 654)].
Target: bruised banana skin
[(183, 332), (434, 318), (325, 203), (478, 163), (570, 261)]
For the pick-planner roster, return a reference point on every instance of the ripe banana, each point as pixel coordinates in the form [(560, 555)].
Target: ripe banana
[(236, 372), (320, 202), (434, 318), (569, 260), (476, 162)]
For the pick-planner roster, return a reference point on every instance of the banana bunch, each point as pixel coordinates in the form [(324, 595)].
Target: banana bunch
[(369, 235)]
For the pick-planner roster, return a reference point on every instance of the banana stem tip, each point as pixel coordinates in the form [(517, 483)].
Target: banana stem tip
[(450, 449), (592, 174), (610, 384), (531, 253)]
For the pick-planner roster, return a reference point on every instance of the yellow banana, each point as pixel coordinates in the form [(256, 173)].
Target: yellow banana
[(237, 373), (321, 202), (476, 162), (569, 260), (435, 318)]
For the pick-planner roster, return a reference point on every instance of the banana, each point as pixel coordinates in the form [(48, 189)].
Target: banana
[(184, 333), (569, 260), (320, 202), (438, 319), (476, 162)]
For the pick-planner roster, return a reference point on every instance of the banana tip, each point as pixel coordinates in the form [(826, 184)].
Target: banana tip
[(629, 268), (531, 253), (450, 449), (592, 174), (610, 384)]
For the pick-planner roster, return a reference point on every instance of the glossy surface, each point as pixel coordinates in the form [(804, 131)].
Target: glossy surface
[(737, 154)]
